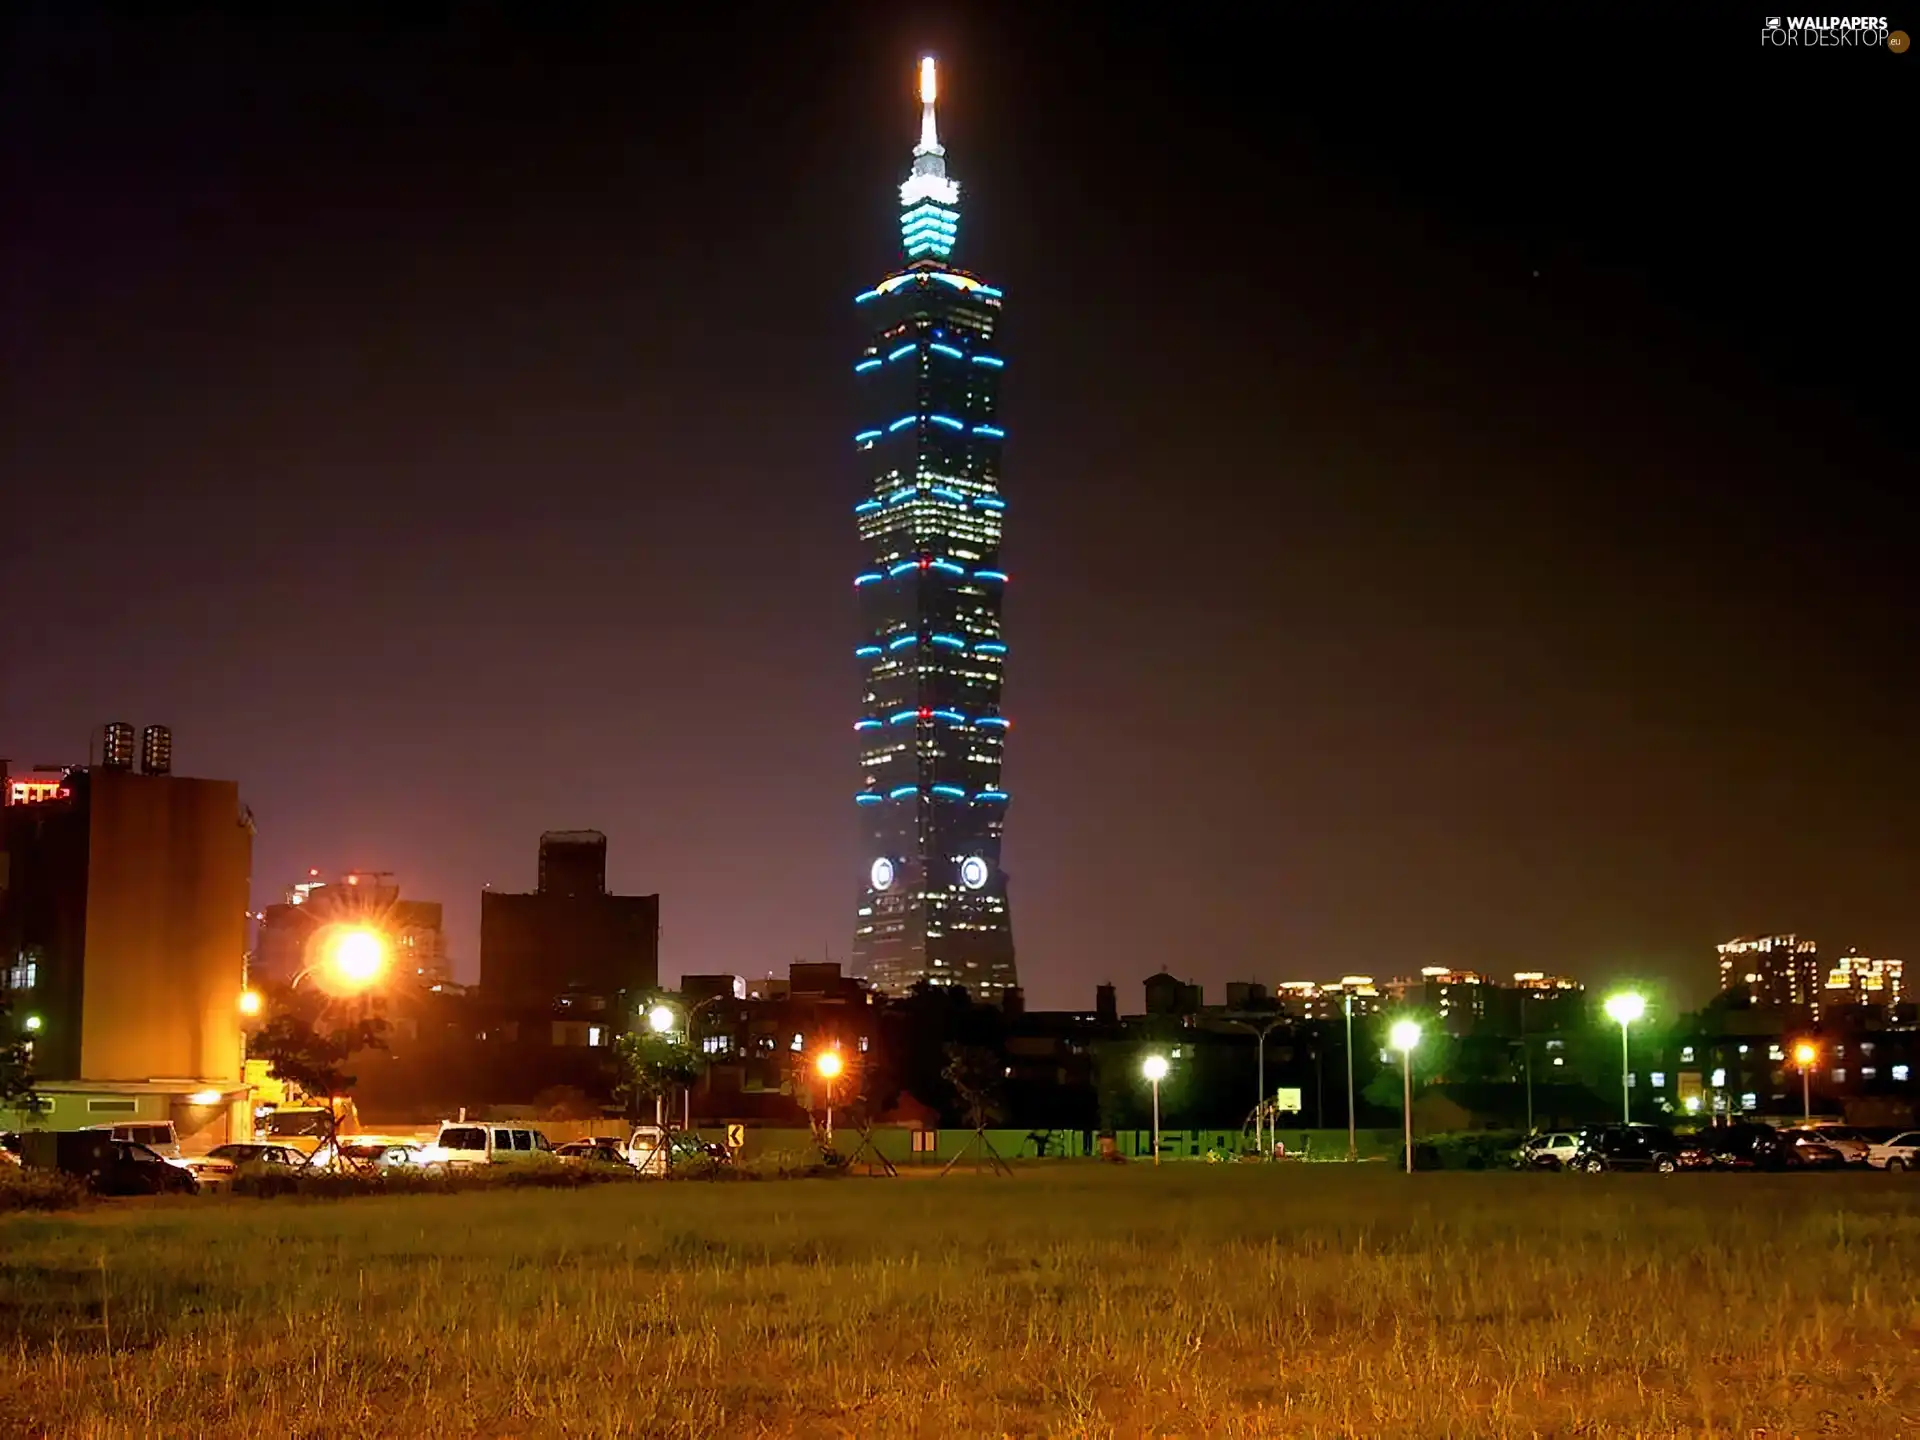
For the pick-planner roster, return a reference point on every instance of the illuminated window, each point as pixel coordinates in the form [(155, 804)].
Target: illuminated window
[(1659, 1078), (799, 1042), (593, 1034), (1686, 1054), (1840, 1076), (1900, 1074)]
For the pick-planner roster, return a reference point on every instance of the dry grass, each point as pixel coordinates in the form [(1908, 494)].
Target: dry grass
[(1196, 1300)]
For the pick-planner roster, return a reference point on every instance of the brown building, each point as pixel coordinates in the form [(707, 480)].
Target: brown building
[(569, 938), (123, 911)]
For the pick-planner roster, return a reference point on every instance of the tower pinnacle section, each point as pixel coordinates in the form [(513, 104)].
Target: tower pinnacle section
[(929, 198)]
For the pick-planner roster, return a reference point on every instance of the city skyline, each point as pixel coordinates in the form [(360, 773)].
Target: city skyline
[(1472, 542), (932, 735)]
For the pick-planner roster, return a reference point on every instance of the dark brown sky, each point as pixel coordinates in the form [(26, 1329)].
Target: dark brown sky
[(1459, 476)]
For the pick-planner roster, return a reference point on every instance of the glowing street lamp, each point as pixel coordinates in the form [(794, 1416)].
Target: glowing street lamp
[(1404, 1037), (250, 1002), (660, 1019), (1806, 1055), (1154, 1067), (349, 960), (827, 1066), (1625, 1008)]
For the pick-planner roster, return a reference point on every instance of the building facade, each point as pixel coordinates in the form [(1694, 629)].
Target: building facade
[(1779, 971), (931, 732), (572, 949), (123, 902)]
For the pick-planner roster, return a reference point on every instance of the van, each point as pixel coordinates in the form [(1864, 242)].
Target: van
[(462, 1143), (157, 1135)]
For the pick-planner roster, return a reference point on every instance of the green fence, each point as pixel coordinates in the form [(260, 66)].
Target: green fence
[(904, 1146)]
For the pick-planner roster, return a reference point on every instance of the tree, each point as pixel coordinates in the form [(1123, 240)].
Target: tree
[(16, 1063), (650, 1065), (301, 1055), (974, 1072)]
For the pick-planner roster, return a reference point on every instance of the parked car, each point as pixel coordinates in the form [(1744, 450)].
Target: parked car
[(1852, 1143), (157, 1135), (378, 1152), (140, 1170), (223, 1164), (1551, 1150), (1746, 1145), (1902, 1152), (1627, 1147), (1807, 1150), (461, 1143), (589, 1152)]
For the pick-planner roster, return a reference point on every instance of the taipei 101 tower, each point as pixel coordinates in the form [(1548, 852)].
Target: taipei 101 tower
[(929, 648)]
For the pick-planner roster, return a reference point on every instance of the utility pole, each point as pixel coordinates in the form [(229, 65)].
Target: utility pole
[(1353, 1132)]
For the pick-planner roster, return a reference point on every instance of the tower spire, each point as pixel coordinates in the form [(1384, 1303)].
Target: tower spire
[(929, 92), (929, 199)]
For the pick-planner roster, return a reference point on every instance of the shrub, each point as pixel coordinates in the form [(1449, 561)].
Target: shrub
[(349, 1184), (1472, 1149), (23, 1189)]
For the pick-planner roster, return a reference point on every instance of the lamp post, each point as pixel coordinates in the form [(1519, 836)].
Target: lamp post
[(827, 1066), (1154, 1067), (1353, 1121), (663, 1018), (1625, 1008), (1806, 1054), (1404, 1036), (351, 959), (1266, 1151)]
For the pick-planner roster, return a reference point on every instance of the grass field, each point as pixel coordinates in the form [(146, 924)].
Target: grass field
[(1193, 1300)]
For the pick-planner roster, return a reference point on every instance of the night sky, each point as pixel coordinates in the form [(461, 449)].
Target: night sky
[(1458, 471)]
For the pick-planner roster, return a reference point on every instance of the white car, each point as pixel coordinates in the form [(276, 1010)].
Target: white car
[(1900, 1153), (1549, 1151), (465, 1143), (219, 1166), (381, 1152)]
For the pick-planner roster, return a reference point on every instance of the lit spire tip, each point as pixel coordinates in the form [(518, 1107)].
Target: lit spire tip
[(929, 81)]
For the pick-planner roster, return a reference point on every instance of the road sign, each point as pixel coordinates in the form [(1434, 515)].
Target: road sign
[(736, 1136), (1286, 1101)]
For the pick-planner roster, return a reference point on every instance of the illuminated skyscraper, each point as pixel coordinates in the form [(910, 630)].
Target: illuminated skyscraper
[(933, 899)]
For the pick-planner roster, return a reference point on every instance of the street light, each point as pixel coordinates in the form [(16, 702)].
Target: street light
[(1266, 1152), (249, 1002), (1154, 1067), (1353, 1120), (1625, 1008), (827, 1066), (1404, 1036), (663, 1018), (350, 959), (1806, 1054)]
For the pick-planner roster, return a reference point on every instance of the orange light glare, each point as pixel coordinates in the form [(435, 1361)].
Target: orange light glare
[(827, 1064), (1805, 1054), (249, 1002), (358, 957)]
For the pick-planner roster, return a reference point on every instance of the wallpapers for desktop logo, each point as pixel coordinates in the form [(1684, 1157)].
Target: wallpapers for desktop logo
[(1852, 31)]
